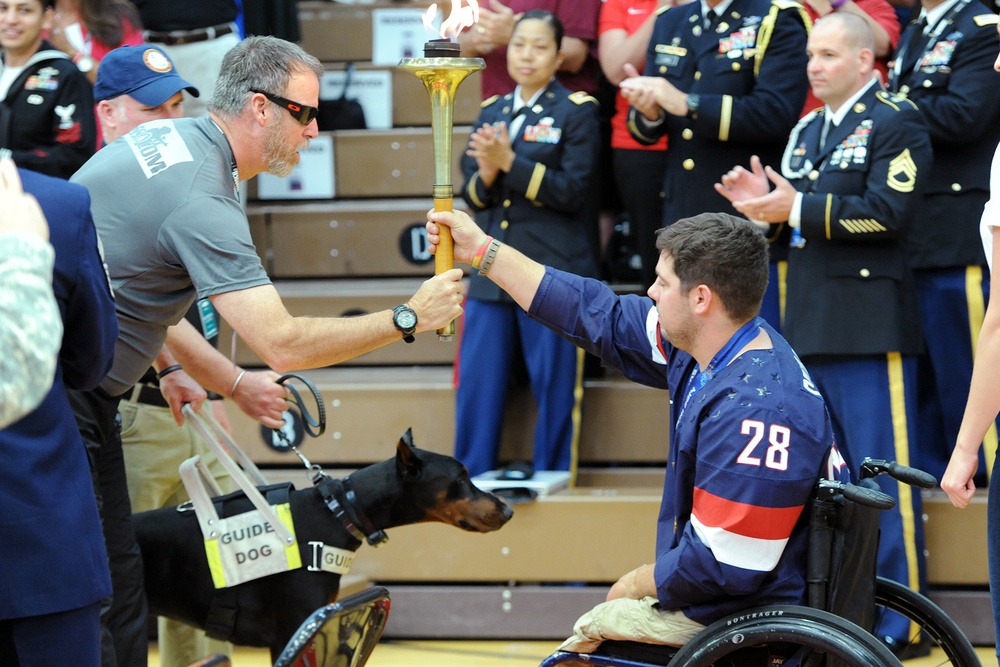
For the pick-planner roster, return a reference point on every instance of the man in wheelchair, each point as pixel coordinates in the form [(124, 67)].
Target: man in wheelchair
[(750, 435)]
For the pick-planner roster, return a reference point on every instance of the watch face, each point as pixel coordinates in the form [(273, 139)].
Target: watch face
[(406, 319)]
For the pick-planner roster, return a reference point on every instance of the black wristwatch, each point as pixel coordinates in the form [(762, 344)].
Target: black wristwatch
[(693, 102), (405, 320)]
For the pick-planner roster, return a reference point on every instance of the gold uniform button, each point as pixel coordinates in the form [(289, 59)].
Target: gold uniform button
[(813, 175), (504, 225), (688, 164), (865, 273), (956, 187), (736, 67), (697, 75), (506, 202), (927, 83), (663, 69), (687, 133)]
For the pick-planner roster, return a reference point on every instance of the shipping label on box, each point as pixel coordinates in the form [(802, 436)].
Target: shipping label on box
[(312, 177), (400, 33), (372, 88)]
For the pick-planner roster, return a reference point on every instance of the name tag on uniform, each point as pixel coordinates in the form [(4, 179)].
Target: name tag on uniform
[(247, 548)]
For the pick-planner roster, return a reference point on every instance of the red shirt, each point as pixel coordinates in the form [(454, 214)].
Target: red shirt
[(579, 19), (627, 15)]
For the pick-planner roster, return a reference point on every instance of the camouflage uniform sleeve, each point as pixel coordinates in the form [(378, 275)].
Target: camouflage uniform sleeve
[(30, 324)]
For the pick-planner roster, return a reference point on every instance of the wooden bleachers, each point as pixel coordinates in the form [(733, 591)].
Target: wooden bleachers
[(362, 252)]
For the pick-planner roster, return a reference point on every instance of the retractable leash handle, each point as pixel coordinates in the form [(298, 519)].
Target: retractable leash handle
[(239, 465), (308, 423)]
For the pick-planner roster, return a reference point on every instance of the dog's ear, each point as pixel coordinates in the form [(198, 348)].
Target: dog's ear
[(407, 462)]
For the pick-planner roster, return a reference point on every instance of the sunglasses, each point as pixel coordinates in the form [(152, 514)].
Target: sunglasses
[(300, 112)]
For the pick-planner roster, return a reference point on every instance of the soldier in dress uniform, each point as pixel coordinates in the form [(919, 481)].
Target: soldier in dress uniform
[(724, 80), (944, 63), (850, 178), (530, 179)]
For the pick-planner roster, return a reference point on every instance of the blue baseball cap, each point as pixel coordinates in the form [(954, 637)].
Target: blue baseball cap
[(143, 72)]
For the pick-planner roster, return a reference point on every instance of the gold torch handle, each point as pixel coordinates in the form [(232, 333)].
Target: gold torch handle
[(444, 259)]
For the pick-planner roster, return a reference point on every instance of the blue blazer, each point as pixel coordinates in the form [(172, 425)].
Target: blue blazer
[(52, 548)]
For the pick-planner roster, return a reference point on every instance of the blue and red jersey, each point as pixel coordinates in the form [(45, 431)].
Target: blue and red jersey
[(745, 452)]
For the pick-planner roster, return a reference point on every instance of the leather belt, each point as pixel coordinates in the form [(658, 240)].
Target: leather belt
[(176, 37), (148, 395)]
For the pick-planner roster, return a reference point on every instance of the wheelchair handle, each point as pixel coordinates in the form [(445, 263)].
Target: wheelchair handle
[(912, 476), (827, 488)]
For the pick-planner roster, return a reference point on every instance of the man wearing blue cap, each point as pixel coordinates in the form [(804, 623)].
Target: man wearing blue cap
[(136, 84)]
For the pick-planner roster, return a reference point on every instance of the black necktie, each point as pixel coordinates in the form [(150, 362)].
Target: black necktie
[(916, 41), (710, 17), (828, 127)]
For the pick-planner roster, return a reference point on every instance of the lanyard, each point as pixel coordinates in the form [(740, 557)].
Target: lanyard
[(722, 358)]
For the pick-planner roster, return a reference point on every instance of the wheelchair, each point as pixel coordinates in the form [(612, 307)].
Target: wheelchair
[(846, 602), (341, 634)]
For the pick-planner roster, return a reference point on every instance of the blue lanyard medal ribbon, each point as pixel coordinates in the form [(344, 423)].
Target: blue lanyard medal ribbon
[(699, 378)]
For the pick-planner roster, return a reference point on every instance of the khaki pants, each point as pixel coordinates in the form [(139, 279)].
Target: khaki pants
[(154, 447)]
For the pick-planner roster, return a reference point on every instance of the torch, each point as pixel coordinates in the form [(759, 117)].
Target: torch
[(442, 69)]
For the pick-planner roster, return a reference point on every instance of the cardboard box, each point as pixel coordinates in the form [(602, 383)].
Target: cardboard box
[(337, 239), (392, 163), (311, 178), (344, 32)]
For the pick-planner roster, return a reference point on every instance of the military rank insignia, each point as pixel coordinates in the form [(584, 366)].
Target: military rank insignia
[(902, 172)]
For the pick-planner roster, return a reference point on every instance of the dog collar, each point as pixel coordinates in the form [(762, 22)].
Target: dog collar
[(346, 510)]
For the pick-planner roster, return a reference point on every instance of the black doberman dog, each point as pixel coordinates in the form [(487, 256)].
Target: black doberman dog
[(415, 486)]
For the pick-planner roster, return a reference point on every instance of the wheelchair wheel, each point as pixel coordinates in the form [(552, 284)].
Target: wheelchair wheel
[(802, 635), (935, 627)]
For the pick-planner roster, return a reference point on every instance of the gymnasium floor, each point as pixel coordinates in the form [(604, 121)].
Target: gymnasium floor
[(411, 653)]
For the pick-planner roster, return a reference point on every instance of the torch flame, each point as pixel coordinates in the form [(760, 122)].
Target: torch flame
[(460, 17)]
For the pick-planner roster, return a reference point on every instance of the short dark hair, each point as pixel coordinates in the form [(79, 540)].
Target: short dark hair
[(547, 17), (724, 252)]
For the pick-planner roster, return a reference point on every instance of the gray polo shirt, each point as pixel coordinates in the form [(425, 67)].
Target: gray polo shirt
[(165, 205)]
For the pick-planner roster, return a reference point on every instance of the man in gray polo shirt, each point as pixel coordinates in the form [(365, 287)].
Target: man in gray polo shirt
[(165, 202)]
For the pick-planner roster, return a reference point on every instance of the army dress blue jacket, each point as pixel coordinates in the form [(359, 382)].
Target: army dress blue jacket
[(859, 195), (952, 81), (749, 72), (546, 206)]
